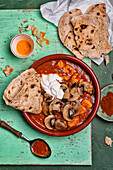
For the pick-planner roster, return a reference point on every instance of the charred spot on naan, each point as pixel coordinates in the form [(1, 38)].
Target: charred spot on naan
[(32, 86), (83, 26), (26, 95), (89, 41)]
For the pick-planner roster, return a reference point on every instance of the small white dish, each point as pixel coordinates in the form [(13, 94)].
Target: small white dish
[(15, 41)]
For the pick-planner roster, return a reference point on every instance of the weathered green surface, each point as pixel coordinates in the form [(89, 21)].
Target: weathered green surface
[(101, 154), (74, 149)]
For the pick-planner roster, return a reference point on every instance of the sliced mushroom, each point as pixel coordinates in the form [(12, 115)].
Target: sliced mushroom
[(65, 89), (74, 95), (80, 90), (47, 97), (73, 85), (70, 85), (46, 103), (45, 108), (50, 122), (55, 106), (87, 86), (60, 125), (77, 108), (67, 111)]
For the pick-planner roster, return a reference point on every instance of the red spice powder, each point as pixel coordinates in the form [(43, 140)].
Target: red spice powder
[(23, 47), (107, 104), (45, 39), (43, 34)]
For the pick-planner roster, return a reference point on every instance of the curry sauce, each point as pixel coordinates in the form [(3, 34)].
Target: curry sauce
[(70, 73)]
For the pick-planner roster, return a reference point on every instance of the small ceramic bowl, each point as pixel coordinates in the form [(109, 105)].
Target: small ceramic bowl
[(18, 38)]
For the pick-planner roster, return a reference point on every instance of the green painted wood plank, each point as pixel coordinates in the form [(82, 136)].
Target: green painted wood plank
[(20, 4), (71, 150)]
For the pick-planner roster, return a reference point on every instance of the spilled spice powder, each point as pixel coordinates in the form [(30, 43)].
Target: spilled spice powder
[(43, 34), (45, 39), (107, 104), (23, 47)]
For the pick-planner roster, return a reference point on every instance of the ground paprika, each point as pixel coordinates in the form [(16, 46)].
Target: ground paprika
[(23, 47), (107, 104)]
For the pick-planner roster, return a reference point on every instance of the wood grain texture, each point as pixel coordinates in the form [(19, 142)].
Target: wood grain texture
[(71, 150)]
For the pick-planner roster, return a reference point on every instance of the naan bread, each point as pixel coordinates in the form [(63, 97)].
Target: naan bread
[(71, 45), (85, 35), (24, 92), (99, 11), (84, 30), (65, 31), (91, 53), (8, 70), (65, 25), (92, 40)]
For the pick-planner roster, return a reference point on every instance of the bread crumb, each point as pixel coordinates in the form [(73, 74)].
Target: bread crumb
[(35, 33), (28, 27), (8, 70), (108, 141), (39, 40), (106, 57)]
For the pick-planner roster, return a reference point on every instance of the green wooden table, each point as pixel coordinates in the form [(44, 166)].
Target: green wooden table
[(65, 150), (102, 154)]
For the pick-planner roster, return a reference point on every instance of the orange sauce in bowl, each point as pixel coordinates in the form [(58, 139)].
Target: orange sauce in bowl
[(23, 47)]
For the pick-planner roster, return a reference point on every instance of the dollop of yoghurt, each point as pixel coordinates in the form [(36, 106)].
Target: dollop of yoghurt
[(51, 85)]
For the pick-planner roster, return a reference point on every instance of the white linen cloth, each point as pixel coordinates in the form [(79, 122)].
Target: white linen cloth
[(53, 11)]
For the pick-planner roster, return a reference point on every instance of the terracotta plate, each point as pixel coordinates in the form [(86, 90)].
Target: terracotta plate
[(75, 60)]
